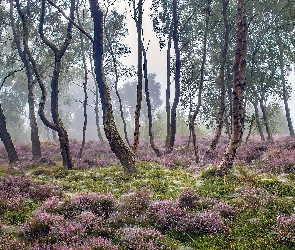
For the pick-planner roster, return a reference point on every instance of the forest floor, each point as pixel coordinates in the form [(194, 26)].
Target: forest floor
[(171, 203)]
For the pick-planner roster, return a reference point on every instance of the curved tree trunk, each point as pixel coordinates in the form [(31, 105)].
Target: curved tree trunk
[(124, 154), (221, 112), (56, 123), (239, 83), (6, 138), (36, 145)]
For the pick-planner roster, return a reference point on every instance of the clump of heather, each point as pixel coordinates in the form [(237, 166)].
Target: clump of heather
[(45, 228), (166, 214), (7, 242), (98, 204), (190, 214), (38, 227), (285, 228), (252, 151), (132, 208), (135, 203), (189, 198), (17, 191), (88, 243), (137, 238), (279, 160), (95, 225)]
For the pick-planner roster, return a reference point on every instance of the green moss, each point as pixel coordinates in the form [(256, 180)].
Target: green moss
[(276, 187)]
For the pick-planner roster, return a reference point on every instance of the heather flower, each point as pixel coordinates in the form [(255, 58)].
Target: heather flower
[(224, 210), (6, 242), (285, 228), (39, 225), (188, 198), (210, 222), (94, 225), (101, 205), (66, 231), (137, 238), (165, 214), (135, 203)]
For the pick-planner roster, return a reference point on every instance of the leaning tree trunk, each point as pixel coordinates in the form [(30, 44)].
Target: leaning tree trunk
[(221, 112), (239, 83), (6, 138), (124, 154), (36, 145), (285, 95)]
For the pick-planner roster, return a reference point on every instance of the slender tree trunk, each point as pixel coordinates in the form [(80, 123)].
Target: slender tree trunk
[(177, 77), (201, 83), (116, 88), (227, 124), (6, 138), (99, 134), (124, 154), (84, 85), (229, 93), (148, 103), (36, 145), (250, 129), (222, 83), (168, 90), (285, 94), (239, 83), (257, 118), (139, 77), (264, 116)]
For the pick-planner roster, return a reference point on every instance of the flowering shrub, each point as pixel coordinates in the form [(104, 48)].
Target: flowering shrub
[(279, 160), (285, 228), (166, 214), (141, 239), (7, 242), (101, 205), (39, 226), (89, 243), (189, 199), (94, 225)]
